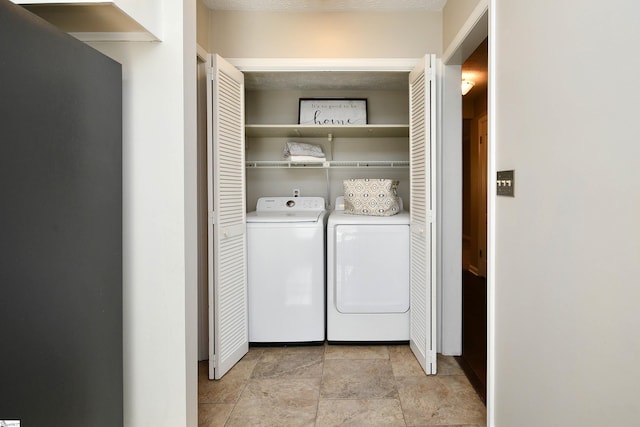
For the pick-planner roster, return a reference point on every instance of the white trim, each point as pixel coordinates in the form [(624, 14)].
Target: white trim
[(134, 36), (435, 165), (449, 234), (491, 221), (324, 64), (478, 25), (201, 53), (472, 33)]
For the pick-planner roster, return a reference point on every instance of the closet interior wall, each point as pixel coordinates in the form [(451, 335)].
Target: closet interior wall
[(279, 106)]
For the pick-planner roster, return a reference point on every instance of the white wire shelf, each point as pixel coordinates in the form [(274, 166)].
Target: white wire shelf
[(333, 164), (349, 131)]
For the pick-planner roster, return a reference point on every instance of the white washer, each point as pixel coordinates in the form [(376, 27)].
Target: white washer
[(367, 276), (286, 270)]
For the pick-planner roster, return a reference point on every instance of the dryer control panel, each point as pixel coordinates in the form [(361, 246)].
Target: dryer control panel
[(290, 204)]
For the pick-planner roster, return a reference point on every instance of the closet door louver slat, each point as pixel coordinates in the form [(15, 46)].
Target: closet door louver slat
[(228, 317), (421, 139)]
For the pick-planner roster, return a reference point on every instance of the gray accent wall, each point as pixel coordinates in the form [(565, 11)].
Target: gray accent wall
[(61, 360)]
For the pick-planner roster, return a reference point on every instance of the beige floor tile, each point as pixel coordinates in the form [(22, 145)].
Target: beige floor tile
[(440, 400), (290, 362), (255, 353), (358, 379), (213, 414), (403, 362), (338, 385), (241, 371), (277, 402), (225, 390), (447, 365), (228, 388), (283, 389), (203, 368), (370, 412), (356, 352), (296, 350)]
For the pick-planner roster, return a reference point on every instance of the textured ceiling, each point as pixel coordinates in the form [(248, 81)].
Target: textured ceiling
[(325, 5)]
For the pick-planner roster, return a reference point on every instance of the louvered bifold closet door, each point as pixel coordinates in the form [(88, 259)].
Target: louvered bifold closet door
[(422, 138), (228, 328)]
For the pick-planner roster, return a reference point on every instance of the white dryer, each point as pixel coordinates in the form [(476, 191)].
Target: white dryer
[(367, 276), (286, 270)]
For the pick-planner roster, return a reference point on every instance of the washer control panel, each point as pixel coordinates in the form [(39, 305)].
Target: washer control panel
[(290, 204)]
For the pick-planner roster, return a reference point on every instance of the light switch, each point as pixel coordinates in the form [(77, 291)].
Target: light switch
[(505, 183)]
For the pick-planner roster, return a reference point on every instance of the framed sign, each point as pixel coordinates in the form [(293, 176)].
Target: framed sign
[(332, 111)]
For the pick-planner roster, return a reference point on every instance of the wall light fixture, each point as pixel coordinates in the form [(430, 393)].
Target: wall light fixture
[(466, 86)]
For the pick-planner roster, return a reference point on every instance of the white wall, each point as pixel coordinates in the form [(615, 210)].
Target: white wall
[(202, 25), (281, 106), (449, 210), (566, 248), (101, 20), (325, 35), (145, 12), (464, 27), (454, 15), (160, 368)]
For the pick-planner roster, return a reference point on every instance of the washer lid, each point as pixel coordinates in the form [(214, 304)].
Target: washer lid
[(284, 217)]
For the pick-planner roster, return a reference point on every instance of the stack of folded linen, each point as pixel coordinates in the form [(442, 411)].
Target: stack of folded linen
[(302, 152)]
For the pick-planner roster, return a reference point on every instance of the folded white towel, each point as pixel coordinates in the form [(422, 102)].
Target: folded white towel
[(306, 159), (302, 149)]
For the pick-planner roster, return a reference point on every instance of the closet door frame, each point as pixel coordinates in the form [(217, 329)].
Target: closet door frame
[(374, 65)]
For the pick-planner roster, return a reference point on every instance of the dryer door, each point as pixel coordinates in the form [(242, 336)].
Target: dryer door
[(372, 268)]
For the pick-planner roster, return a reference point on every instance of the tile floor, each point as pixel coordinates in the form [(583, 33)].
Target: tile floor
[(338, 385)]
